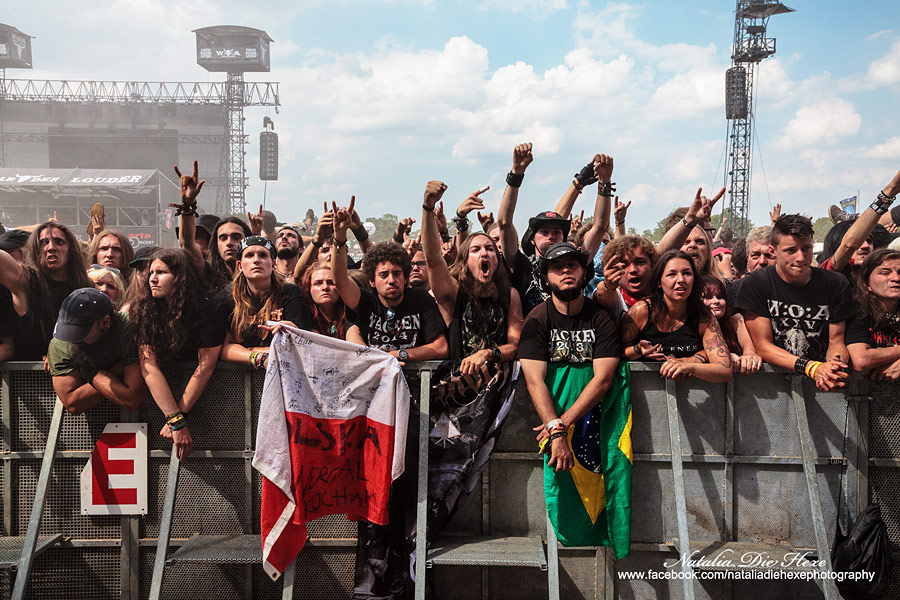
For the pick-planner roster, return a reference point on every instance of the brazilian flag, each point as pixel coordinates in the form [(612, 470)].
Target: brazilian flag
[(591, 504)]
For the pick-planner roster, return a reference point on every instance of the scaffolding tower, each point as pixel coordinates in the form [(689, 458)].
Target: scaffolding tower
[(750, 47)]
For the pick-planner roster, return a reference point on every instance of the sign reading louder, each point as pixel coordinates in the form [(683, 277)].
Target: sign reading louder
[(114, 481)]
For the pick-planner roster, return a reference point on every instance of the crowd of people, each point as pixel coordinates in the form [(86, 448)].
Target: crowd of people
[(569, 298)]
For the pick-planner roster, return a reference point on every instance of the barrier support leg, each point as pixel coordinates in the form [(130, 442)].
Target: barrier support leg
[(812, 485), (37, 508), (552, 562), (287, 581), (165, 526), (422, 497), (683, 544)]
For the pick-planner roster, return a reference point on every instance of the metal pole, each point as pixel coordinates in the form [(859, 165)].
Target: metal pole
[(422, 498), (683, 544), (37, 508), (165, 526), (812, 485)]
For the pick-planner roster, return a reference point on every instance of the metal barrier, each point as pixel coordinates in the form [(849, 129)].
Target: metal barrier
[(742, 472)]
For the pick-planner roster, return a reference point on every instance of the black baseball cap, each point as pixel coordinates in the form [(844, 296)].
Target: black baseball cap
[(143, 253), (567, 249), (206, 222), (12, 239), (80, 310), (535, 222)]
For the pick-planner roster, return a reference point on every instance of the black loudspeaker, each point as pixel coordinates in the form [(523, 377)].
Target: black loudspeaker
[(268, 156)]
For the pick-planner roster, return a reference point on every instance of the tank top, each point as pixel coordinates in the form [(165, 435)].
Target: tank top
[(681, 343)]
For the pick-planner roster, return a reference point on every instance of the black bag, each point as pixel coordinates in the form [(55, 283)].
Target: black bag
[(865, 549)]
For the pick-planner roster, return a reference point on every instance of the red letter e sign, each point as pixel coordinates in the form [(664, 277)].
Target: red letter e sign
[(114, 482)]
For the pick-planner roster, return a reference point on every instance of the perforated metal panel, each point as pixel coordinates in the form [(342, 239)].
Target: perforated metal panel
[(62, 513), (322, 574), (76, 574), (210, 497), (196, 581)]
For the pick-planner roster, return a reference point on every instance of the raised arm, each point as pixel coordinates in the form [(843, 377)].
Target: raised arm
[(620, 211), (698, 212), (443, 285), (864, 225), (473, 202), (190, 186), (522, 157), (359, 231), (585, 177), (603, 168), (15, 278), (311, 251), (347, 288)]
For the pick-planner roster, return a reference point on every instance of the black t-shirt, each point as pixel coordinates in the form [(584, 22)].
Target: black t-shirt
[(477, 323), (551, 336), (289, 306), (527, 280), (7, 313), (683, 342), (214, 322), (33, 331), (863, 331), (416, 321), (800, 314)]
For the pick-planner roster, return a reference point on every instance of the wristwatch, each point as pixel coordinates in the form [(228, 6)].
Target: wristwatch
[(403, 355), (496, 355)]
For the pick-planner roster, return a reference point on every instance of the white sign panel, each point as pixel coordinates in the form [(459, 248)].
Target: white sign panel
[(114, 481)]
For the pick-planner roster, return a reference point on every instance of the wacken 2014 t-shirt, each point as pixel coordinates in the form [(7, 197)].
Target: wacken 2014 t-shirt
[(553, 337), (414, 322), (800, 314)]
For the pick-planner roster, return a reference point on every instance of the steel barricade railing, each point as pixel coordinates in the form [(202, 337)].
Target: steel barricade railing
[(737, 447)]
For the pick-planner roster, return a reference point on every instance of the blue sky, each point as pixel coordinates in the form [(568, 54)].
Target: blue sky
[(379, 97)]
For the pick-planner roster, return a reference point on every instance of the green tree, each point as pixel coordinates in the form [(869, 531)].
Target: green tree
[(385, 226), (820, 228)]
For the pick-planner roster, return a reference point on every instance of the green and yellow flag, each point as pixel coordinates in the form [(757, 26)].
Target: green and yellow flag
[(591, 504)]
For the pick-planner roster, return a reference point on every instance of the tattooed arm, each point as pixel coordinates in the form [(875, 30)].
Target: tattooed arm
[(717, 370)]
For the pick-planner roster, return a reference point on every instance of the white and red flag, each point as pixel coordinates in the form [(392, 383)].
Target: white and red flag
[(330, 438)]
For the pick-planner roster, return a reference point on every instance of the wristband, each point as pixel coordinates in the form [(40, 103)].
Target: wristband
[(397, 239), (338, 244), (317, 244), (558, 434), (180, 423), (426, 209), (606, 188), (882, 203), (811, 369), (620, 222), (636, 347), (514, 179), (800, 365), (445, 235), (360, 234), (554, 424), (462, 223)]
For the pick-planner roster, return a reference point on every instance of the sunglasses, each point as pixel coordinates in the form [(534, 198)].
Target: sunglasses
[(100, 267)]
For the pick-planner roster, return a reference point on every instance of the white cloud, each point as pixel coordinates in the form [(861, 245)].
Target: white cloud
[(885, 70), (824, 122), (889, 149)]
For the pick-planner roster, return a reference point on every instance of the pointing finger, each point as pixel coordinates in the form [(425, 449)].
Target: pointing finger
[(352, 204)]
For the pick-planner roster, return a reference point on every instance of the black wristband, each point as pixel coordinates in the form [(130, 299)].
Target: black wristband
[(338, 244), (462, 223), (426, 209), (514, 179), (360, 234), (800, 365), (606, 188), (882, 203), (317, 244)]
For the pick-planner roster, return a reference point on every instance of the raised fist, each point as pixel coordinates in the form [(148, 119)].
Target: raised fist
[(433, 192), (522, 157)]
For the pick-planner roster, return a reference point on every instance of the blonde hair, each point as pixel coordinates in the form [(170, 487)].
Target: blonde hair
[(97, 272)]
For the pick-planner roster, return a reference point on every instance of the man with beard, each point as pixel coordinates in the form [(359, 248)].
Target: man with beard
[(418, 275), (689, 230), (288, 243), (570, 353), (407, 324), (112, 249), (626, 276), (548, 227), (53, 268), (226, 236)]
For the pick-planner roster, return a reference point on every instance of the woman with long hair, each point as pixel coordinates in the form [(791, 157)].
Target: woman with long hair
[(259, 294), (673, 324), (172, 320), (873, 335), (109, 281), (743, 354), (329, 315)]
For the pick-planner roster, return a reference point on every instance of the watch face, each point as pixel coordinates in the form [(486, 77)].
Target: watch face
[(403, 354)]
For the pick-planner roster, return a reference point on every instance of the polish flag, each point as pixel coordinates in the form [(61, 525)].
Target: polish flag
[(330, 438)]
